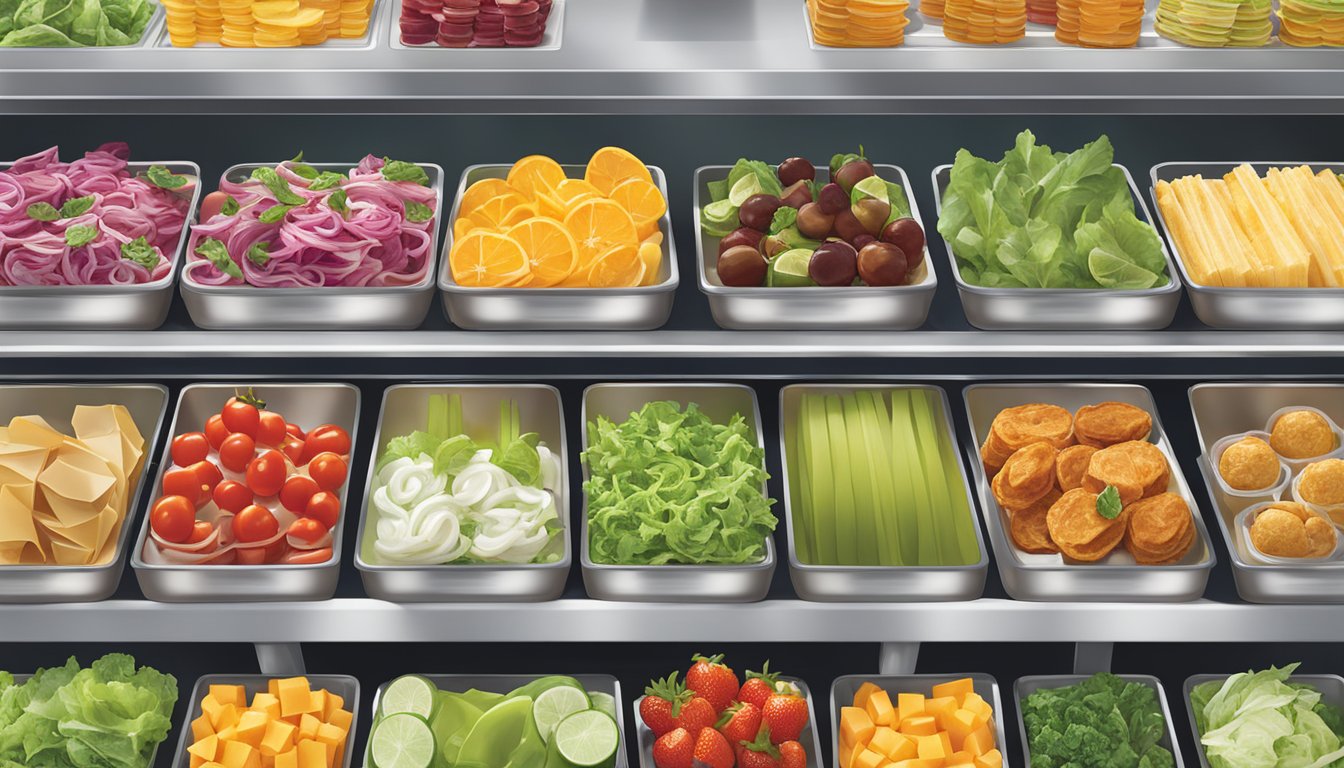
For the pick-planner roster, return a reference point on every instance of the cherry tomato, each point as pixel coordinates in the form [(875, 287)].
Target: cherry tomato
[(327, 437), (215, 431), (252, 555), (190, 448), (255, 523), (241, 417), (306, 529), (207, 473), (182, 481), (212, 204), (309, 556), (323, 507), (270, 428), (232, 496), (173, 518), (292, 447), (328, 470), (266, 473), (237, 450), (200, 532), (293, 429), (296, 492)]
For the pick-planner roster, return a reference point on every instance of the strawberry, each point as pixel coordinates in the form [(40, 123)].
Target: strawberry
[(759, 686), (696, 714), (785, 714), (792, 755), (711, 678), (740, 722), (759, 752), (674, 749), (712, 750), (663, 703)]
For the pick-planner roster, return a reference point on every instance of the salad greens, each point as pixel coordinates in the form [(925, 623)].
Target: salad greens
[(1102, 722), (1256, 719), (671, 486), (110, 715), (72, 23), (1043, 219)]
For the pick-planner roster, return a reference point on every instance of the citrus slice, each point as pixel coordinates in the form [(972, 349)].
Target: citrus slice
[(620, 267), (575, 191), (587, 739), (643, 201), (405, 741), (503, 211), (487, 259), (550, 249), (598, 225), (555, 704), (536, 176), (610, 166), (480, 192), (411, 694), (656, 239), (651, 254)]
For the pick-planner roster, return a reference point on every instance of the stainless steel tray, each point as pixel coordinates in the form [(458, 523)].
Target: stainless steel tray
[(864, 583), (505, 683), (1251, 308), (895, 308), (1025, 686), (364, 42), (150, 32), (247, 307), (405, 409), (345, 686), (809, 738), (148, 405), (1330, 686), (844, 688), (1116, 577), (1064, 309), (141, 307), (308, 405), (551, 38), (1222, 409), (673, 583), (558, 309)]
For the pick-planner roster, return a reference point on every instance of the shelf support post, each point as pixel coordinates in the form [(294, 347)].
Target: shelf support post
[(280, 659), (1091, 658), (897, 658)]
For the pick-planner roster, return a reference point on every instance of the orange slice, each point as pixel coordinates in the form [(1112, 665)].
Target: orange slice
[(619, 267), (480, 192), (656, 238), (643, 201), (651, 254), (487, 259), (503, 211), (610, 166), (536, 176), (575, 191), (550, 249), (598, 225)]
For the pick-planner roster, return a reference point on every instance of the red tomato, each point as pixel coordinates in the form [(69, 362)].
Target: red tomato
[(323, 507), (232, 496), (271, 428), (190, 448), (293, 429), (266, 473), (292, 447), (215, 431), (328, 470), (212, 204), (327, 437), (237, 450), (241, 417), (255, 523), (306, 529), (207, 473), (182, 481), (200, 532), (309, 556), (173, 518), (296, 492)]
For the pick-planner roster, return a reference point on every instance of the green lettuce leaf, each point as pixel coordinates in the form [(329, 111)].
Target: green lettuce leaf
[(1261, 719)]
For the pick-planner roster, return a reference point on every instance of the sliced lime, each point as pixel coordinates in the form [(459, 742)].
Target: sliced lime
[(719, 218), (789, 270), (603, 702), (555, 704), (411, 694), (401, 741), (873, 186), (588, 739), (745, 187)]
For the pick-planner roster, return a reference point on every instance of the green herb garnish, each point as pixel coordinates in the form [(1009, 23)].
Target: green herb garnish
[(1108, 503), (217, 254), (274, 213), (79, 236), (259, 253), (400, 170), (141, 252), (163, 178), (326, 180), (230, 206), (76, 206), (43, 212), (418, 211)]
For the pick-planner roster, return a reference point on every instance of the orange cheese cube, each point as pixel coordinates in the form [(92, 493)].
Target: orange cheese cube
[(980, 741), (287, 759), (960, 758), (212, 764), (884, 738), (341, 718), (238, 754), (280, 737), (918, 763), (206, 749), (947, 743), (226, 717), (194, 761), (991, 759), (856, 725), (922, 725), (227, 734), (265, 702), (853, 754), (273, 687), (312, 754), (846, 747), (319, 704), (210, 710), (973, 702), (960, 726), (229, 694), (201, 727), (334, 703), (869, 759), (931, 748), (910, 704), (957, 689), (308, 727), (861, 695), (905, 748), (880, 710), (295, 696), (251, 727), (331, 736), (941, 707)]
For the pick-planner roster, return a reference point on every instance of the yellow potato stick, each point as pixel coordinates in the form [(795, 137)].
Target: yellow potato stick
[(1190, 247)]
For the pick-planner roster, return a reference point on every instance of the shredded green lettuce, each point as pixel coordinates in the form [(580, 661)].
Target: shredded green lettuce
[(1261, 719), (671, 486), (1101, 722)]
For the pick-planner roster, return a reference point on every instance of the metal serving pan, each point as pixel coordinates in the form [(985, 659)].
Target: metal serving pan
[(894, 308), (844, 688), (362, 43), (865, 583), (1224, 409), (247, 307), (1330, 686), (505, 683), (551, 37), (558, 309), (345, 686), (1025, 686), (308, 405), (405, 409), (673, 583), (1116, 577), (809, 738), (148, 405), (150, 32), (1065, 309), (1251, 308), (141, 307)]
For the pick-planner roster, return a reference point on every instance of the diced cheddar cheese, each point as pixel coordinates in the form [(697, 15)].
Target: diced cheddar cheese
[(265, 702), (227, 717), (853, 754), (905, 749), (856, 725), (288, 759), (956, 689), (869, 759), (991, 759), (917, 763), (880, 710), (931, 748), (206, 748), (960, 758), (201, 727), (251, 727), (239, 754), (295, 696), (312, 754), (334, 704), (941, 707), (910, 704), (983, 712), (341, 718), (951, 728), (280, 737), (229, 694), (308, 726), (980, 741), (883, 741), (921, 725), (287, 726), (861, 695)]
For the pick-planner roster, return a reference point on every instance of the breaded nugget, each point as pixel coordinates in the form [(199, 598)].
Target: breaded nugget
[(1028, 475), (1017, 427), (1161, 529), (1071, 465), (1288, 529), (1028, 528), (1322, 482), (1136, 469), (1302, 435), (1079, 531), (992, 458), (1249, 464), (1109, 423)]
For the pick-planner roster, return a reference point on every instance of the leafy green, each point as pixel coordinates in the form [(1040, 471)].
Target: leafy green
[(163, 178), (278, 186), (1108, 503), (765, 175), (338, 201), (1043, 219), (72, 23), (302, 169), (838, 160), (230, 206), (784, 218), (76, 206), (1102, 722), (274, 213), (79, 236), (217, 254), (43, 212), (418, 211), (400, 170), (1255, 719), (141, 252), (259, 253), (671, 486), (326, 180)]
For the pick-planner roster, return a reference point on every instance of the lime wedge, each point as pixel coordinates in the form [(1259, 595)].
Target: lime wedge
[(588, 739), (410, 694), (401, 741), (719, 218), (789, 270), (745, 187), (603, 702), (873, 186), (555, 704)]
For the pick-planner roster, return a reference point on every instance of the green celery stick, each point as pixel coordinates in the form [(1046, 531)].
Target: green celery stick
[(454, 425), (795, 436), (929, 552), (879, 469), (823, 480), (963, 517), (916, 538), (861, 480), (846, 528), (940, 503), (437, 423), (890, 472)]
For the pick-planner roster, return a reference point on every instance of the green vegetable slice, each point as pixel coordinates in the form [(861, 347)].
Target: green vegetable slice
[(141, 252), (400, 170), (860, 472), (217, 254), (78, 236), (846, 523)]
